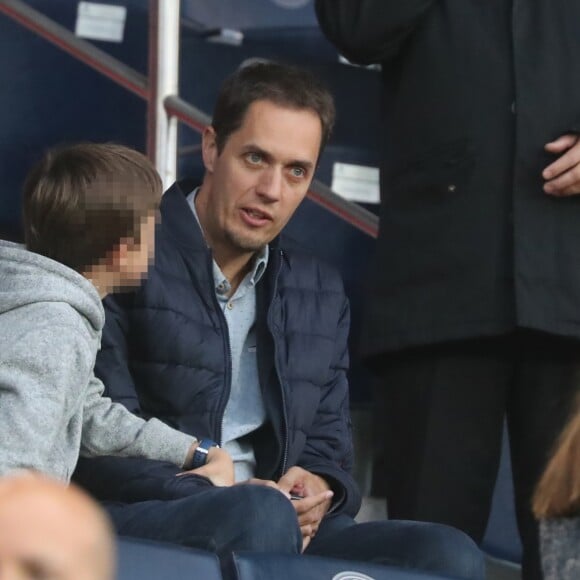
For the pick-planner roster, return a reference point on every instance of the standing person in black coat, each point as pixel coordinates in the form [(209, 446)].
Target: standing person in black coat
[(474, 310)]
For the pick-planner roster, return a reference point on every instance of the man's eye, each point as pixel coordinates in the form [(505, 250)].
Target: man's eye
[(298, 172), (254, 158)]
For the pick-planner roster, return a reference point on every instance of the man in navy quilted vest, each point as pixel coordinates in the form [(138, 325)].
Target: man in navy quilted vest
[(236, 339)]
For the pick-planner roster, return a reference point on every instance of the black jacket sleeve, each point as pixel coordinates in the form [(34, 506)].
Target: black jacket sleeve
[(370, 31)]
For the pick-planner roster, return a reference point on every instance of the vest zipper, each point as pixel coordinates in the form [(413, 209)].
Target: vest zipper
[(276, 366), (228, 351)]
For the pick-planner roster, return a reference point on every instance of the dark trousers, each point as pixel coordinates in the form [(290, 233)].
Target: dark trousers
[(438, 427), (260, 519), (422, 546), (217, 519)]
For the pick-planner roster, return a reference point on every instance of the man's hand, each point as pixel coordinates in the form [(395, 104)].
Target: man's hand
[(219, 468), (317, 498), (563, 176)]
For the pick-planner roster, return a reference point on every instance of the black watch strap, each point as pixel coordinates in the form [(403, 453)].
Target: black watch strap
[(201, 451)]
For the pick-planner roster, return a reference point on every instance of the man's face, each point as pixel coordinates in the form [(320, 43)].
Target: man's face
[(255, 184)]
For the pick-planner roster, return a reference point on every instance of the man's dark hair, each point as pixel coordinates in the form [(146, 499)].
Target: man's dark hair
[(281, 84), (81, 201)]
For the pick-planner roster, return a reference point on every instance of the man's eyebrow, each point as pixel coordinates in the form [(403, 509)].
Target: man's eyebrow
[(252, 147), (304, 163)]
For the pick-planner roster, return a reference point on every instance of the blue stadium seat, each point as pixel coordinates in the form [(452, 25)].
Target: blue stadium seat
[(248, 566), (145, 560)]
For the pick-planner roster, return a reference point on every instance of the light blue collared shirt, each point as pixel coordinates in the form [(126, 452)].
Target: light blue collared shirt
[(245, 410)]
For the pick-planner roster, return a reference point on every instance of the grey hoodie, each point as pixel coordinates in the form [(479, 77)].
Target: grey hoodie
[(51, 404)]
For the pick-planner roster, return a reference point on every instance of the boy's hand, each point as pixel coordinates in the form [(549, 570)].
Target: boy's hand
[(219, 468)]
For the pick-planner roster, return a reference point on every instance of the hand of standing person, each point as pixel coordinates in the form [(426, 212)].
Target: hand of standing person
[(563, 175)]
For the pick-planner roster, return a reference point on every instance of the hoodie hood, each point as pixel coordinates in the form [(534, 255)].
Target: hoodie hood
[(27, 278)]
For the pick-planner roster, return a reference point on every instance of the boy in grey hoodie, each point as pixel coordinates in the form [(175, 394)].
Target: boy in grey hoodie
[(89, 220)]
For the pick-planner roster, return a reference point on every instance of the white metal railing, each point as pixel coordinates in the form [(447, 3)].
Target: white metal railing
[(163, 82), (164, 108)]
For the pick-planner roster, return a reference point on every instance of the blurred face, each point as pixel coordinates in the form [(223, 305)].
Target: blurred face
[(255, 184), (47, 534), (137, 257)]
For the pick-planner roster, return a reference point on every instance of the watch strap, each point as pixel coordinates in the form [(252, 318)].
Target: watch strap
[(201, 451)]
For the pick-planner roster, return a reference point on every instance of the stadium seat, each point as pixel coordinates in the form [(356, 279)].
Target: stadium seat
[(145, 560), (249, 566)]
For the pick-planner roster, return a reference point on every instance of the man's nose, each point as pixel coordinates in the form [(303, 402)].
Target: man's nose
[(271, 183)]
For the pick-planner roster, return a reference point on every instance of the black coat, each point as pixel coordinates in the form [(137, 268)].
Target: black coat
[(469, 243), (165, 353)]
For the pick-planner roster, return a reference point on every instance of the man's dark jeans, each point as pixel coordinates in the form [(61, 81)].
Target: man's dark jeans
[(260, 519)]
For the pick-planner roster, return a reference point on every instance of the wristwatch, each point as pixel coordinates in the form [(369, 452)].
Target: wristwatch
[(201, 451)]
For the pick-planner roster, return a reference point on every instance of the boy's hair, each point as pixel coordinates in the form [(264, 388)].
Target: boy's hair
[(81, 201), (281, 84), (558, 493)]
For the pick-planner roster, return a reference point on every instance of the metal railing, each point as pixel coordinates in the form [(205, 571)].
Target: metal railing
[(164, 107)]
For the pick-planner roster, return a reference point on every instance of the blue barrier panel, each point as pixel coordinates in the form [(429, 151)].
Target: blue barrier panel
[(144, 560), (249, 566)]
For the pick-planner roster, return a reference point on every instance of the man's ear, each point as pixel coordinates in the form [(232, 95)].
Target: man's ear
[(209, 148)]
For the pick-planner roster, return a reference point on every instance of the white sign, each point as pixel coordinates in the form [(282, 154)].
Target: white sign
[(101, 21), (356, 182)]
